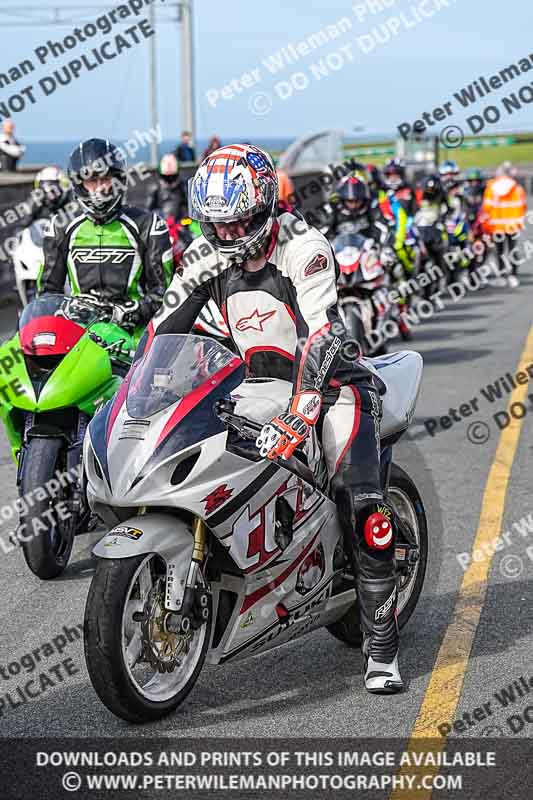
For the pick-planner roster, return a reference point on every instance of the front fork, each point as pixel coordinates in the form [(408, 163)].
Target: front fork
[(78, 500), (194, 610), (74, 457)]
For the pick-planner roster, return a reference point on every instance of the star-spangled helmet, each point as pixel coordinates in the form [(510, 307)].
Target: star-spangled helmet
[(236, 183)]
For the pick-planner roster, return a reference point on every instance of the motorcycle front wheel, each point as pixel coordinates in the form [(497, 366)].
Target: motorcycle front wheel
[(46, 538), (139, 669)]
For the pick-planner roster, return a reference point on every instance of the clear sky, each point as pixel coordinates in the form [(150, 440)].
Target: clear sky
[(372, 82)]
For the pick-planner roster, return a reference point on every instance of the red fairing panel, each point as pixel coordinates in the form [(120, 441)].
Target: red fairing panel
[(63, 334)]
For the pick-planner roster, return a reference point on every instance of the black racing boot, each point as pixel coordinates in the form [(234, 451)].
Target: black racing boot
[(377, 600)]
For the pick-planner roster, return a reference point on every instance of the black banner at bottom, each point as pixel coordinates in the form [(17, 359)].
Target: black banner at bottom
[(275, 768)]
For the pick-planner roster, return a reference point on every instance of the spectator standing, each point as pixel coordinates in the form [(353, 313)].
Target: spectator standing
[(10, 149), (214, 144), (503, 214), (185, 150)]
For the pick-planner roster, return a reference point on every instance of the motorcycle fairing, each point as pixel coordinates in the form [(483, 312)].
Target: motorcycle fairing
[(50, 336), (170, 433)]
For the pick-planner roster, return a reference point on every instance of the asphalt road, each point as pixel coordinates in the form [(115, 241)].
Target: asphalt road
[(313, 687)]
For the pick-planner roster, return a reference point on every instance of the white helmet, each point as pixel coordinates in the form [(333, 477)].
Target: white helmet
[(50, 174), (53, 182), (236, 183)]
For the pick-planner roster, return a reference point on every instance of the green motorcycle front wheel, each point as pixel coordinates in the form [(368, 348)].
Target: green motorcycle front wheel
[(46, 538)]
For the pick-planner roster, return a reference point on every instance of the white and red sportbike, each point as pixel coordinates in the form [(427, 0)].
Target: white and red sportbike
[(216, 554)]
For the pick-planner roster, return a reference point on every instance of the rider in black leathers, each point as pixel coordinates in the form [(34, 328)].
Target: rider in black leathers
[(169, 196)]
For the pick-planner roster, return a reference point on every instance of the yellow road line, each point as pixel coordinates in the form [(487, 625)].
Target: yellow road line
[(444, 690)]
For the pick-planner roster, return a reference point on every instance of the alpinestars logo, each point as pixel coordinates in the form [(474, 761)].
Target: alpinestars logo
[(382, 610), (159, 226), (331, 352), (102, 255), (318, 264), (254, 322), (216, 498)]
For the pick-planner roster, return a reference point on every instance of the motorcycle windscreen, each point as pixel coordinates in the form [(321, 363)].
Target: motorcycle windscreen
[(37, 232), (177, 367), (44, 331), (348, 249), (188, 373)]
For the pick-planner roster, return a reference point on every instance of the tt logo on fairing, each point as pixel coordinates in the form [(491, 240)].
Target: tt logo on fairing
[(258, 531), (254, 322), (102, 255)]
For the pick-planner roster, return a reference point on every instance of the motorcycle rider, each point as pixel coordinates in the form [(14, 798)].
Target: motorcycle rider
[(353, 209), (51, 196), (434, 197), (473, 188), (433, 193), (119, 253), (450, 176), (169, 196), (397, 202), (278, 295)]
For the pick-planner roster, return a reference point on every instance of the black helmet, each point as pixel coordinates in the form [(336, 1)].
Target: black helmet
[(431, 186), (473, 194), (98, 158), (355, 191), (394, 172)]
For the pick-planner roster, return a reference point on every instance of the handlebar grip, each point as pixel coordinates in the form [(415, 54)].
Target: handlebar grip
[(240, 424)]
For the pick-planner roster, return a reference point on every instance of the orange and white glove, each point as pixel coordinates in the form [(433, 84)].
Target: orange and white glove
[(287, 431)]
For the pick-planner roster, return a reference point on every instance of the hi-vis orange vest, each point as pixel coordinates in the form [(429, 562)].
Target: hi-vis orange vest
[(504, 206), (286, 187)]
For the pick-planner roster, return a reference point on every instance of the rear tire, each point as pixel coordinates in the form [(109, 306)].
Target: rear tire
[(348, 628), (47, 551)]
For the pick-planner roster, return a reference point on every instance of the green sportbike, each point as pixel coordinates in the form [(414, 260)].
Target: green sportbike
[(66, 360)]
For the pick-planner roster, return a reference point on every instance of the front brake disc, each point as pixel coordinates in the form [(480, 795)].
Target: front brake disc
[(162, 648)]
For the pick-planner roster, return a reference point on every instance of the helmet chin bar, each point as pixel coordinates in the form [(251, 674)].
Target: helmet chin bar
[(104, 214), (239, 249)]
